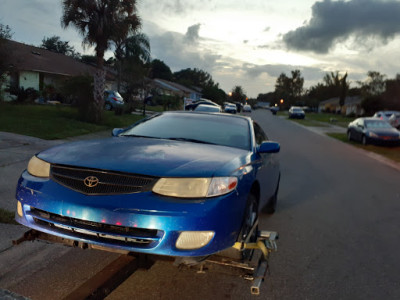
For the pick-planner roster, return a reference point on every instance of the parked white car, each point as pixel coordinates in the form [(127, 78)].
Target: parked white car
[(391, 116), (246, 108)]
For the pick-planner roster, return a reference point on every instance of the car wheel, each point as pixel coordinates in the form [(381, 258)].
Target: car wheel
[(107, 106), (364, 140), (271, 205), (251, 216), (349, 135)]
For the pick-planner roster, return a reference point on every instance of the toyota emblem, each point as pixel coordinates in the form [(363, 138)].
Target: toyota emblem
[(91, 181)]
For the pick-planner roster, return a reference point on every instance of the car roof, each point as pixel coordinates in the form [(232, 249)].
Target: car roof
[(211, 114), (371, 119), (206, 105)]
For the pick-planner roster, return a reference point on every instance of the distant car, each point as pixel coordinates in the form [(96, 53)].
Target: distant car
[(193, 105), (296, 113), (246, 108), (207, 108), (112, 100), (391, 116), (394, 120), (274, 109), (373, 131), (181, 184), (230, 108)]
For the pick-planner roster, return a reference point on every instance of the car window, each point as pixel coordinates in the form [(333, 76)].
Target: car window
[(259, 134), (215, 129), (377, 124)]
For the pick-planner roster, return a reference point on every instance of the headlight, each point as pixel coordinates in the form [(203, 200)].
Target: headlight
[(374, 135), (195, 187), (38, 167)]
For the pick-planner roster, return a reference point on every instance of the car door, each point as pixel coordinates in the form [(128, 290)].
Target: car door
[(268, 169)]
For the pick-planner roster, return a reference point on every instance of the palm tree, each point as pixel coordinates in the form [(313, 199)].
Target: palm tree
[(134, 49), (337, 85), (101, 22)]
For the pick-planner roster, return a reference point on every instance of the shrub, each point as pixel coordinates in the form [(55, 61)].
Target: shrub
[(23, 95), (79, 90)]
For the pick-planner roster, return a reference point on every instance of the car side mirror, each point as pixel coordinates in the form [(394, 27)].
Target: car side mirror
[(116, 131), (269, 147)]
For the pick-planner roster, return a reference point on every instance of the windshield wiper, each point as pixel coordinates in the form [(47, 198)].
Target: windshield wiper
[(190, 140)]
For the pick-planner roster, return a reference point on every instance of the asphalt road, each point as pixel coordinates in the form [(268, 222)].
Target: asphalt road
[(338, 219)]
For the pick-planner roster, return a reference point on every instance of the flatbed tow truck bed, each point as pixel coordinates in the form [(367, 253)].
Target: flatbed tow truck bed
[(253, 268)]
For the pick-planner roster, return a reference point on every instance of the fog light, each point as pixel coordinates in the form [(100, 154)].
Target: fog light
[(194, 239), (19, 209)]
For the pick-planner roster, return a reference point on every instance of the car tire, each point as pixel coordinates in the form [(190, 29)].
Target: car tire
[(271, 205), (349, 135), (364, 140), (250, 217), (107, 106)]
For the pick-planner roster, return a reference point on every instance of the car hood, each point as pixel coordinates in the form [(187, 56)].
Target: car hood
[(153, 157)]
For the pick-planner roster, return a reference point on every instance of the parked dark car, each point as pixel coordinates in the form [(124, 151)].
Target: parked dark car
[(112, 100), (373, 131), (157, 187), (274, 109), (193, 105), (296, 113)]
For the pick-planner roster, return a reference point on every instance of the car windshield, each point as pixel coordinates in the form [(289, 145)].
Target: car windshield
[(203, 128), (377, 124), (297, 110)]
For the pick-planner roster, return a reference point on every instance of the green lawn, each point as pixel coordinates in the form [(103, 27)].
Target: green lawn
[(7, 217), (392, 153), (318, 119), (52, 122)]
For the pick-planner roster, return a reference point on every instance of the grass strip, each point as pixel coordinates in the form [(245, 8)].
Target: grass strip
[(392, 153), (7, 217), (52, 122)]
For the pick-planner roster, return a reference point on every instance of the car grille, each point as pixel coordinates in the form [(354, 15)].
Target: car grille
[(97, 182), (98, 232)]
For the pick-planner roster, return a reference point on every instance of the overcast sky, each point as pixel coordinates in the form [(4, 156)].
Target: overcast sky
[(246, 42)]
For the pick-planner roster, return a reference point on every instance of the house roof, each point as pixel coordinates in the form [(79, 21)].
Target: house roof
[(175, 86), (30, 58), (348, 101)]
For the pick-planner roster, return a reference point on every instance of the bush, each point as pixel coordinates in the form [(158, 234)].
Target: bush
[(168, 102), (79, 90), (24, 95)]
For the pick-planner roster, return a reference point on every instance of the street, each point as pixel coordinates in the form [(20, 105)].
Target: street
[(337, 216)]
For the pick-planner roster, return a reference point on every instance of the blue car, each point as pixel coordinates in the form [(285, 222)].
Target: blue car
[(181, 184)]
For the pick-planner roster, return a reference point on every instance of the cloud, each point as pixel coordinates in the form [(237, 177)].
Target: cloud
[(311, 73), (192, 33), (173, 49), (368, 22), (176, 7)]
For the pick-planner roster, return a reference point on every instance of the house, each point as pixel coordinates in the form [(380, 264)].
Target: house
[(169, 88), (165, 87), (33, 67), (352, 105)]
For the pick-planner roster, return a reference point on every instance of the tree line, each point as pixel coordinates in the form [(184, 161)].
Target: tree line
[(377, 92)]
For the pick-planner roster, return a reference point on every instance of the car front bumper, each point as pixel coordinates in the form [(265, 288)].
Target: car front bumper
[(383, 141), (141, 222), (296, 116)]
